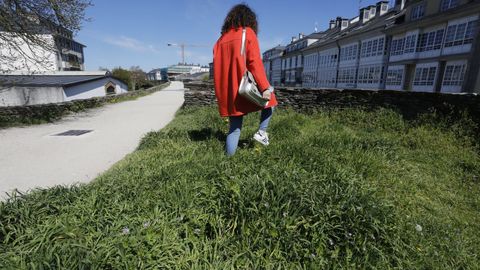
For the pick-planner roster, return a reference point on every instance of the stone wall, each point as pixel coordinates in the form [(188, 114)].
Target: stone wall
[(410, 104), (15, 115), (22, 95), (199, 94)]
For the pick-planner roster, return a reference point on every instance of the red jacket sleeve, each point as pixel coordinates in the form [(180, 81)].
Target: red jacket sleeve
[(254, 61)]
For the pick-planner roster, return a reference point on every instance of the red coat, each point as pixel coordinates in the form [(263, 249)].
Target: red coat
[(229, 67)]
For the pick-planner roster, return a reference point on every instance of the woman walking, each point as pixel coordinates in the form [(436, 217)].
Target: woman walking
[(229, 66)]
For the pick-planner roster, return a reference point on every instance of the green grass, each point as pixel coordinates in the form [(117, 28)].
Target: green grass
[(139, 93), (335, 190)]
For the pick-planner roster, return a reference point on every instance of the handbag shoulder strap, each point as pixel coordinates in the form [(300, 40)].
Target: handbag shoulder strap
[(244, 38), (244, 47)]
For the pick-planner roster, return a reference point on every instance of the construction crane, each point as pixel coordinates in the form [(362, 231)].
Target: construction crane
[(183, 45)]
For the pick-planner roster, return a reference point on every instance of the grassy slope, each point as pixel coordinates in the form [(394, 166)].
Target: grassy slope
[(334, 190)]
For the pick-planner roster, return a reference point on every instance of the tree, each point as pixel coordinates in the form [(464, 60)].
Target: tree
[(123, 75), (137, 76), (24, 23)]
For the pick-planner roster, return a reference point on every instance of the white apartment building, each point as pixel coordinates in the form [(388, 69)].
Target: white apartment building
[(320, 69), (434, 49), (419, 45), (63, 53), (272, 62), (352, 53), (293, 60)]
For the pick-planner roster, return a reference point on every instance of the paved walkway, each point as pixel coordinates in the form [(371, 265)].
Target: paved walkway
[(31, 157)]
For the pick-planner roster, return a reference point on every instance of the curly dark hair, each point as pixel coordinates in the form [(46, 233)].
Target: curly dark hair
[(240, 16)]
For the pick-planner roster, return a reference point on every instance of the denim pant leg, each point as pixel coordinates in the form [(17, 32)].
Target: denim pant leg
[(265, 117), (234, 134)]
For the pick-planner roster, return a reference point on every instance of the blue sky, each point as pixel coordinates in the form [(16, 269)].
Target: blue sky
[(127, 33)]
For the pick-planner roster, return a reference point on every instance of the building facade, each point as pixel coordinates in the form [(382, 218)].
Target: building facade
[(165, 74), (434, 47), (272, 61), (159, 74), (418, 45), (353, 53), (292, 59), (61, 52)]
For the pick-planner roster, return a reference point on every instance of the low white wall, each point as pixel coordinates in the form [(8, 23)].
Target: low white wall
[(93, 89), (20, 96)]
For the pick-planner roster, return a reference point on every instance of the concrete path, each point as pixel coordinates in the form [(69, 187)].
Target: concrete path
[(32, 157)]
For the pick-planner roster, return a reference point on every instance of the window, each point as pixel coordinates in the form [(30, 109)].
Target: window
[(460, 34), (397, 47), (327, 59), (349, 53), (362, 74), (425, 76), (395, 77), (470, 32), (418, 12), (448, 4), (373, 48), (370, 74), (326, 77), (369, 49), (347, 76), (430, 41), (110, 89), (410, 43), (454, 74), (381, 46)]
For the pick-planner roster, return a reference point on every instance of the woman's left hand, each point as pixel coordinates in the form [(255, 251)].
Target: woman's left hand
[(266, 95)]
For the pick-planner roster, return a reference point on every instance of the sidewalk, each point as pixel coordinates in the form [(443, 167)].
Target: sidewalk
[(32, 157)]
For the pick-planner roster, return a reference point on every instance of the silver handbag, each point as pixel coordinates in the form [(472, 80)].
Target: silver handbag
[(248, 87)]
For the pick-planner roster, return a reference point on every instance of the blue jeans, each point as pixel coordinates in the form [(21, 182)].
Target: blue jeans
[(236, 127)]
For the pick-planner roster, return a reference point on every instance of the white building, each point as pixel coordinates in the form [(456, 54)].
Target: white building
[(352, 53), (436, 47), (320, 69), (204, 69), (61, 53), (159, 74), (428, 46), (54, 87), (272, 61), (293, 60), (171, 72)]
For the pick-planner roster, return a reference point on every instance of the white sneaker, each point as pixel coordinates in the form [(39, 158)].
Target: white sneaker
[(261, 137)]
